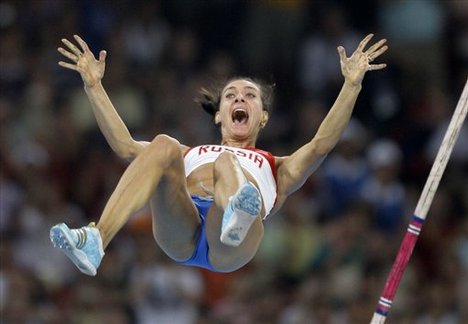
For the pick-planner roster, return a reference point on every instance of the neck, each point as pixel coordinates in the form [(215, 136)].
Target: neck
[(240, 144)]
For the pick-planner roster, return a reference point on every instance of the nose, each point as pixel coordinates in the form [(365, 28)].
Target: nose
[(239, 98)]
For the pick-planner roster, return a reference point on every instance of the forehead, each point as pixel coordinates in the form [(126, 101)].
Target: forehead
[(241, 84)]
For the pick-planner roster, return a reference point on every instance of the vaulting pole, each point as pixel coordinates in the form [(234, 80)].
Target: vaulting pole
[(424, 203)]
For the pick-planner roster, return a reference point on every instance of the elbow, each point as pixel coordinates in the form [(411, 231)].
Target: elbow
[(128, 151), (125, 154)]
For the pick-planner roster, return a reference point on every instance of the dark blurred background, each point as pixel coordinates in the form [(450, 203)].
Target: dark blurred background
[(326, 255)]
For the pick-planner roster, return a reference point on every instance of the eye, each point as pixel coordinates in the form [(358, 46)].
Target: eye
[(250, 95), (229, 96)]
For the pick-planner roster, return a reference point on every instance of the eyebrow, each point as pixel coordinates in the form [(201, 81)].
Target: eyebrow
[(246, 87)]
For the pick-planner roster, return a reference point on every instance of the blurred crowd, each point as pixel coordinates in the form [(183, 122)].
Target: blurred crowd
[(325, 257)]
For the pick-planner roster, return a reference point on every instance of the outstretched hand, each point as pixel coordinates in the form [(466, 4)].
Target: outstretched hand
[(90, 69), (355, 67)]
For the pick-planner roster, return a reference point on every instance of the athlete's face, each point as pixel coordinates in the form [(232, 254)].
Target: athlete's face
[(241, 113)]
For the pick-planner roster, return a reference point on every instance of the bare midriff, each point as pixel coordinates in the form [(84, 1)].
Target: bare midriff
[(203, 177)]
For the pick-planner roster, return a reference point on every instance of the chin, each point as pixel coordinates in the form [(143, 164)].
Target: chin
[(241, 133)]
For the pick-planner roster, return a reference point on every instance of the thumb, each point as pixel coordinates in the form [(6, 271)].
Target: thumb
[(342, 53), (102, 56)]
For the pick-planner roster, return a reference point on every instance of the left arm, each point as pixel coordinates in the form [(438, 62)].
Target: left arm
[(294, 170)]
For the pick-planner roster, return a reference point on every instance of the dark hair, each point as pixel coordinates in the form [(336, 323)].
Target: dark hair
[(210, 98)]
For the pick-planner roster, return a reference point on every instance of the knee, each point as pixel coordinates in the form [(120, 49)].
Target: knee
[(164, 147), (225, 161)]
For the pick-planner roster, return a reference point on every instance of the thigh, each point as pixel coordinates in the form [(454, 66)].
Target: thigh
[(175, 218), (227, 258), (228, 177)]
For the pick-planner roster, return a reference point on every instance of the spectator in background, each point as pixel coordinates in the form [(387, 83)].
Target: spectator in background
[(457, 30), (415, 28), (162, 292), (274, 27), (145, 37), (346, 172), (318, 74), (384, 189), (440, 114)]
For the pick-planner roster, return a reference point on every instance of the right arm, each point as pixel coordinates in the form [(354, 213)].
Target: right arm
[(294, 170), (111, 125), (109, 121)]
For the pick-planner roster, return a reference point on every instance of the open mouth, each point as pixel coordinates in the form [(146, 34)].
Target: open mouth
[(239, 116)]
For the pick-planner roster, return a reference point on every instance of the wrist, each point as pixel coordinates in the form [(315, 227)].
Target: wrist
[(356, 86), (92, 86)]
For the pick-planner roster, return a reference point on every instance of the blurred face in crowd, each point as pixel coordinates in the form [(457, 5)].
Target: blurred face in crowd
[(241, 114)]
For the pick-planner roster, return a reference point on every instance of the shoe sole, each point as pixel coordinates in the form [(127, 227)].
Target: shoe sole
[(248, 201), (60, 237), (246, 206)]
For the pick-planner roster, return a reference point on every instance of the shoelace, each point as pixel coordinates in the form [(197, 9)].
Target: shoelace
[(82, 235)]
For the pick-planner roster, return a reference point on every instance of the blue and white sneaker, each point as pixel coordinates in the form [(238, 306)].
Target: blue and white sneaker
[(240, 214), (83, 246)]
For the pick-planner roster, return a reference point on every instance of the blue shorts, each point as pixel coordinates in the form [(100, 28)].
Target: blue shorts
[(200, 255)]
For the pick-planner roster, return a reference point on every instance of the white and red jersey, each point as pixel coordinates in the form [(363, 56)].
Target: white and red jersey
[(259, 164)]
